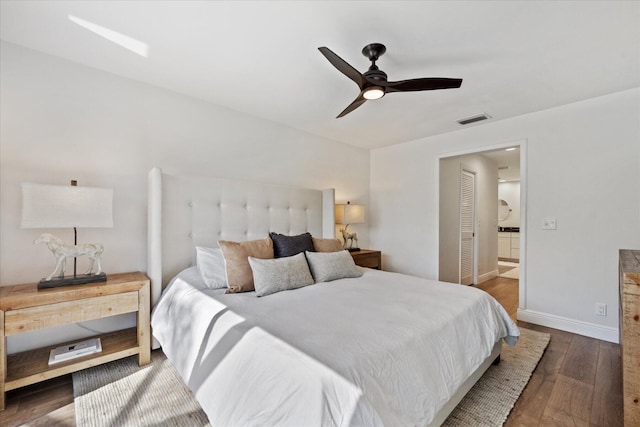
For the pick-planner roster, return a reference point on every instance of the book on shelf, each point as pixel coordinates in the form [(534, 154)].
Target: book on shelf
[(72, 351)]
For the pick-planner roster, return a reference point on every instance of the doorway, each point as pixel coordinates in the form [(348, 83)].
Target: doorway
[(494, 167)]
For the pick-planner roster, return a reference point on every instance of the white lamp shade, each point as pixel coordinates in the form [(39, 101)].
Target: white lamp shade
[(59, 206), (349, 214)]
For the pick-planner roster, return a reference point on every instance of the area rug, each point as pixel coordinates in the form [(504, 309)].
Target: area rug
[(491, 399), (122, 394), (510, 270), (514, 273)]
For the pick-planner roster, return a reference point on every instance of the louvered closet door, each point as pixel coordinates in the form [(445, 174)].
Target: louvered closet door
[(467, 221)]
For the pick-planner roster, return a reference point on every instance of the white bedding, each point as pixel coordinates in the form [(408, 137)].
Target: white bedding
[(383, 349)]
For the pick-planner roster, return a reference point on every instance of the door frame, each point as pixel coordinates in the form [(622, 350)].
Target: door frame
[(522, 143)]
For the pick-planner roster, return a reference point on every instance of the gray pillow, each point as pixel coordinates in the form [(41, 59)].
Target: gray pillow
[(284, 246), (328, 266), (280, 274)]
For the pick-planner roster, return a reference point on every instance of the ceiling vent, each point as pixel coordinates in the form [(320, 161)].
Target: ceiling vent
[(473, 119)]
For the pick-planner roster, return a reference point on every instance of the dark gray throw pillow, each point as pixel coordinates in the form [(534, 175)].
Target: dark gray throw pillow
[(284, 246)]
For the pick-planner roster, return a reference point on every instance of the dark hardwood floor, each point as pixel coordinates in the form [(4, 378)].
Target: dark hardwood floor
[(577, 383), (47, 404)]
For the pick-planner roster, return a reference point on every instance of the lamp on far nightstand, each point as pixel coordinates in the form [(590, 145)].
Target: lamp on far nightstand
[(346, 215), (59, 206)]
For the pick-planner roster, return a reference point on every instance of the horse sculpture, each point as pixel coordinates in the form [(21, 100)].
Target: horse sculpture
[(349, 237), (62, 251)]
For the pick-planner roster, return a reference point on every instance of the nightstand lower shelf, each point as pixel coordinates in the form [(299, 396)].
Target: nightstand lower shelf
[(31, 367)]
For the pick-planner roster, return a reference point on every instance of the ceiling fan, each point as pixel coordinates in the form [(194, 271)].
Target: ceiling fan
[(373, 83)]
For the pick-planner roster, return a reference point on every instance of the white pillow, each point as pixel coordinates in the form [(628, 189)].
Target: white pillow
[(328, 266), (280, 274), (210, 263)]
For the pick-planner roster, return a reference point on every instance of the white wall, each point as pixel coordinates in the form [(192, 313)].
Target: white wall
[(582, 168), (486, 216), (61, 121), (510, 193)]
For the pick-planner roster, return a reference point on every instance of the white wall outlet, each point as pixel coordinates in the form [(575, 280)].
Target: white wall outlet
[(549, 224), (601, 309)]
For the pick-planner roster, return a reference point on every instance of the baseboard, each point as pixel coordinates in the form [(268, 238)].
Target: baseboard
[(487, 276), (579, 327)]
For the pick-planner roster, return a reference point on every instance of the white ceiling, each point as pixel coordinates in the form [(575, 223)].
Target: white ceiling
[(261, 58), (508, 163)]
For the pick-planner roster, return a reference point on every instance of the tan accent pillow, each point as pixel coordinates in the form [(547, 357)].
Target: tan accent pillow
[(327, 245), (236, 259)]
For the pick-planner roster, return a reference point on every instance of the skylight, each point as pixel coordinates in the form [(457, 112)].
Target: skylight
[(136, 46)]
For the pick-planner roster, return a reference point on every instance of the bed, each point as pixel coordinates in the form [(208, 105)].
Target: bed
[(380, 349)]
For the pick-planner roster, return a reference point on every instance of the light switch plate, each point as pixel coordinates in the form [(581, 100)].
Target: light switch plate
[(549, 224)]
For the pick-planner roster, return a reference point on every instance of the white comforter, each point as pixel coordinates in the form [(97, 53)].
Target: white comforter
[(383, 349)]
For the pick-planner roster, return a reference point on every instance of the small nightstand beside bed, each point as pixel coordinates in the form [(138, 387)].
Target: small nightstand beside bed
[(367, 258), (380, 349)]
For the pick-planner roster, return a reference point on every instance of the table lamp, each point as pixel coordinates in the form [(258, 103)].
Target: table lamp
[(59, 206), (346, 215)]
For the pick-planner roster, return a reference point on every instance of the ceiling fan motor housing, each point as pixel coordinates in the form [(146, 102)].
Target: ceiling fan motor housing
[(376, 74)]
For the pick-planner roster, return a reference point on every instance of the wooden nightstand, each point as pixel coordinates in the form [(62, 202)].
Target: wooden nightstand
[(24, 308), (367, 258)]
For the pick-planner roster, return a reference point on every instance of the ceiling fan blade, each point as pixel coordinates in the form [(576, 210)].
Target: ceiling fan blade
[(343, 66), (427, 83), (355, 104)]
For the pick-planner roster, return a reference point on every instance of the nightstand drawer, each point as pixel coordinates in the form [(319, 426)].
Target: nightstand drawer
[(370, 261), (367, 258), (62, 313)]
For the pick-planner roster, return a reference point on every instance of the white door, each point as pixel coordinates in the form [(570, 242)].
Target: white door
[(467, 226)]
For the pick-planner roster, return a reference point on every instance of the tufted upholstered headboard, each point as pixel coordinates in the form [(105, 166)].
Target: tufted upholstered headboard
[(189, 211)]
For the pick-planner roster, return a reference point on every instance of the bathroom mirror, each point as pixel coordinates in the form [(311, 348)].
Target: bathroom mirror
[(503, 210)]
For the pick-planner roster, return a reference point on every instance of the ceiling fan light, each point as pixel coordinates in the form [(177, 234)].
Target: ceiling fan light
[(373, 92)]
